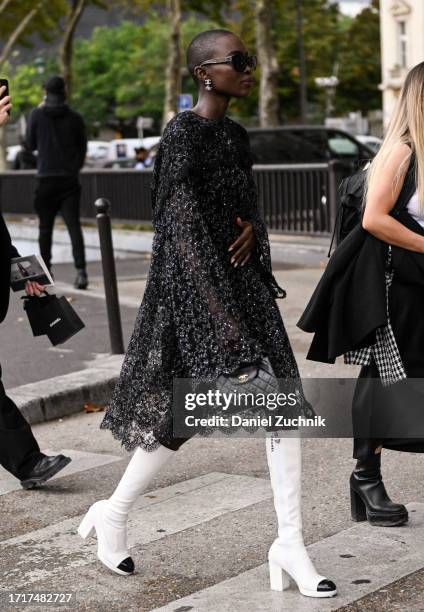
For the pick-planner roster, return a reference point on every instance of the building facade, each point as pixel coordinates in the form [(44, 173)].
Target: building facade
[(402, 46)]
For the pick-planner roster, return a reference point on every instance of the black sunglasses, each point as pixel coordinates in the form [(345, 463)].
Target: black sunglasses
[(238, 60)]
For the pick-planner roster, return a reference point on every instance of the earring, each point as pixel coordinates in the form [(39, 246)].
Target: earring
[(208, 84)]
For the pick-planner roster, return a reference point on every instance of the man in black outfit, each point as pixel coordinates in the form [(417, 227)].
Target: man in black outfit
[(58, 134), (19, 452)]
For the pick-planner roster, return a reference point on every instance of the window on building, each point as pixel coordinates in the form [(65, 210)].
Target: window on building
[(402, 45)]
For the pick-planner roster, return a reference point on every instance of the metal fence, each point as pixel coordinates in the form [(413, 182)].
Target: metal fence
[(293, 198)]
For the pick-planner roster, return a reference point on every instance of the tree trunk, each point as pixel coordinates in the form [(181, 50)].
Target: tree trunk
[(65, 55), (269, 106), (302, 63), (173, 71), (17, 32), (3, 58), (4, 5)]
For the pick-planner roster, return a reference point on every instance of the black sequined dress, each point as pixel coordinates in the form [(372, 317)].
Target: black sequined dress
[(200, 316)]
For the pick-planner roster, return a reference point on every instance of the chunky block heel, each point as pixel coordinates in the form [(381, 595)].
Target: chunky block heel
[(368, 496), (111, 538), (278, 578), (86, 528), (357, 507)]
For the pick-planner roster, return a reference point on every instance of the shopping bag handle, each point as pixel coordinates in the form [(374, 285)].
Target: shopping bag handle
[(27, 297)]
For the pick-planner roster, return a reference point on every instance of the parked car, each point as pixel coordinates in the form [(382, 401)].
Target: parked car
[(124, 148), (97, 151), (373, 142), (11, 153), (128, 162), (302, 202), (304, 144)]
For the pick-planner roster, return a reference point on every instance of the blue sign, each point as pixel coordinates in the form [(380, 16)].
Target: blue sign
[(185, 101)]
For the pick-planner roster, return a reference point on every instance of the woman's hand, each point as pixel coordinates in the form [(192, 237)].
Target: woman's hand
[(5, 106), (244, 244), (32, 288)]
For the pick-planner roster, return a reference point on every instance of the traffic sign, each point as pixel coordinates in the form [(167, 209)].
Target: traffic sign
[(185, 101)]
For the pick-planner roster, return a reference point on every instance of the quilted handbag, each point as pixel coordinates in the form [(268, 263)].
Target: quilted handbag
[(256, 378)]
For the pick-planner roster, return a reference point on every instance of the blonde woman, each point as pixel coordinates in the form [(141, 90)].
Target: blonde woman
[(369, 304)]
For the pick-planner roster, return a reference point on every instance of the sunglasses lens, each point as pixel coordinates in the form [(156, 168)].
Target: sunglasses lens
[(239, 62), (253, 61)]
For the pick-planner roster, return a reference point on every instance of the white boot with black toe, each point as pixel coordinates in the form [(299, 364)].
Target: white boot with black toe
[(108, 518), (288, 557)]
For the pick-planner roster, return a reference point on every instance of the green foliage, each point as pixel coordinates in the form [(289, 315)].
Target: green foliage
[(120, 72), (44, 23), (26, 85), (99, 65), (360, 64), (330, 38)]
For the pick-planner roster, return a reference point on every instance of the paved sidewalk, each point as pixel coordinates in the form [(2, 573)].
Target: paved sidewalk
[(202, 529)]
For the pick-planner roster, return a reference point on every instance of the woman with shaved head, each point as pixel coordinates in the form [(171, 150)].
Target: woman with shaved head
[(209, 307)]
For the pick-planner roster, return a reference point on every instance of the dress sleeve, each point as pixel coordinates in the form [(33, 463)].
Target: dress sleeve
[(203, 274), (262, 252)]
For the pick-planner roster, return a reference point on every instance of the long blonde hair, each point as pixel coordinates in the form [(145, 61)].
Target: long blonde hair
[(406, 126)]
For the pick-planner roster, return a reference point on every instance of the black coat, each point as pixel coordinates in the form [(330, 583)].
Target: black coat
[(7, 251), (349, 302)]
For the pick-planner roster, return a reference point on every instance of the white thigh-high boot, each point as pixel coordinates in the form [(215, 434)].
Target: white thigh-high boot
[(288, 555), (108, 517)]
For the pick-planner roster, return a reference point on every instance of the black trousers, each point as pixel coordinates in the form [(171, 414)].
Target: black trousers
[(59, 194), (19, 450)]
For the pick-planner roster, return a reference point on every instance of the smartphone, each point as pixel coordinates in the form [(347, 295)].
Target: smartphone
[(5, 83)]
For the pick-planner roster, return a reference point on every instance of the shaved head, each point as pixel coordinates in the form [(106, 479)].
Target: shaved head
[(203, 47)]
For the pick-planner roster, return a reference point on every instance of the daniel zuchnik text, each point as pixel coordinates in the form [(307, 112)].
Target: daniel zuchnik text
[(236, 420)]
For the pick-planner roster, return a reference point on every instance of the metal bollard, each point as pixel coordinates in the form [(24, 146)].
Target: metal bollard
[(109, 275)]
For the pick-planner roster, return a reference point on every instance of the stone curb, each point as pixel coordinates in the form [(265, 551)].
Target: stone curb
[(132, 241), (61, 396)]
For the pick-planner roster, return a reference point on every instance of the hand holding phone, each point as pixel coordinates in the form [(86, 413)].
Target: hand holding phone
[(5, 104)]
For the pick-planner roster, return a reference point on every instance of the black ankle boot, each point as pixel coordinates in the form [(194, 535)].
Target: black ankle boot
[(368, 496)]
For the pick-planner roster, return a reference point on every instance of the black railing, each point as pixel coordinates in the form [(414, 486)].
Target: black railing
[(293, 198)]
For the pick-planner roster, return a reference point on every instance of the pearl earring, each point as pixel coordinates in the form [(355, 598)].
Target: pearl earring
[(208, 84)]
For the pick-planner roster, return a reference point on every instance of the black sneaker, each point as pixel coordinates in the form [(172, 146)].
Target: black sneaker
[(81, 281), (44, 469)]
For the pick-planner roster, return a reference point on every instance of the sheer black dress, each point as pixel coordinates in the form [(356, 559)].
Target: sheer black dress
[(200, 316)]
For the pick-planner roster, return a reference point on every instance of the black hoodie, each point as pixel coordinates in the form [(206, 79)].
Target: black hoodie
[(58, 134)]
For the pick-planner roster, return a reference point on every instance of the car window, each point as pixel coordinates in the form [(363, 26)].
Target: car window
[(341, 145), (316, 141), (285, 147)]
